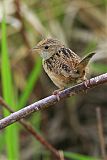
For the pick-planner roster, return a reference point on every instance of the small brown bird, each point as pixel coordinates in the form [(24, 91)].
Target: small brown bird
[(62, 65)]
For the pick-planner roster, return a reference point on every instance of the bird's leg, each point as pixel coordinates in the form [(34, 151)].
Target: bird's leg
[(86, 82), (56, 92)]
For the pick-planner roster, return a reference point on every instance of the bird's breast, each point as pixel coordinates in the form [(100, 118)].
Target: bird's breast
[(58, 79)]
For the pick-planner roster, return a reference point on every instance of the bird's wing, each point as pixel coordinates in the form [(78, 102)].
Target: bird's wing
[(84, 62), (63, 62), (69, 61)]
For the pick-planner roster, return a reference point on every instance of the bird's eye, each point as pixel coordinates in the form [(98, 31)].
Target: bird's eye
[(46, 47)]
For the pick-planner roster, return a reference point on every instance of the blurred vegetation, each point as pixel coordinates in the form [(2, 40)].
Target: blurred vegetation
[(71, 125)]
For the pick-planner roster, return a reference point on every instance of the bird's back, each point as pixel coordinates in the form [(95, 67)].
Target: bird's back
[(60, 65)]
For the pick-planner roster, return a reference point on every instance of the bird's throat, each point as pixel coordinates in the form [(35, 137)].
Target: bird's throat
[(45, 55)]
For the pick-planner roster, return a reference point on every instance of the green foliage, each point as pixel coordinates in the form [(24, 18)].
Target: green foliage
[(76, 156), (9, 95), (1, 141), (11, 133), (99, 68), (30, 83)]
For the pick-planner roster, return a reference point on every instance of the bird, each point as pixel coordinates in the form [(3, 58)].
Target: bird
[(62, 65)]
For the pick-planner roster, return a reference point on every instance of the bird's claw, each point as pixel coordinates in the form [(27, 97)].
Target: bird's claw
[(86, 83), (56, 92)]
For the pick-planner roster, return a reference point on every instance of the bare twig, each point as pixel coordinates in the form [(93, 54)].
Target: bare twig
[(32, 131), (100, 132), (19, 16), (49, 101)]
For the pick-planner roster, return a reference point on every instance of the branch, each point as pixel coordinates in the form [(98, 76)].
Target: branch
[(19, 16), (49, 101), (32, 131)]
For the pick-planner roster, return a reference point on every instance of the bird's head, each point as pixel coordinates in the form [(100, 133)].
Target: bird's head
[(48, 47)]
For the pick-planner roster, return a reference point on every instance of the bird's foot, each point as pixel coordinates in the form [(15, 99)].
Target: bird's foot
[(56, 92), (86, 83)]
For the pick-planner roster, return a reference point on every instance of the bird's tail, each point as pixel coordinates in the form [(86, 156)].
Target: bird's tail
[(84, 62)]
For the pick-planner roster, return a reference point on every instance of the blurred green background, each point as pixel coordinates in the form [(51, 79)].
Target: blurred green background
[(71, 125)]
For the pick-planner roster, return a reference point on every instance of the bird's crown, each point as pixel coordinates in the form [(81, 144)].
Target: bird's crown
[(48, 47), (49, 42)]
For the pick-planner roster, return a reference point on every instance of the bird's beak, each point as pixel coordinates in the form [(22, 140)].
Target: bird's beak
[(35, 48)]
